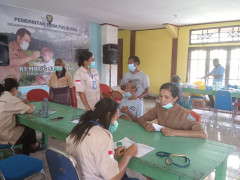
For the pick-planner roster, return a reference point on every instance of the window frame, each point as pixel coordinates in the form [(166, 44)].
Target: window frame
[(219, 33), (207, 63)]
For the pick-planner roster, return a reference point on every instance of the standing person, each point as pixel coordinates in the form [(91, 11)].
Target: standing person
[(86, 80), (131, 107), (217, 73), (183, 100), (91, 144), (61, 85), (17, 53), (176, 120), (135, 74), (10, 132)]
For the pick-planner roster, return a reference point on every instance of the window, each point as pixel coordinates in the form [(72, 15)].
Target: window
[(200, 63), (215, 35)]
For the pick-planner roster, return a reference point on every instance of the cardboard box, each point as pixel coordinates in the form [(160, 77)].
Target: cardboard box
[(199, 103)]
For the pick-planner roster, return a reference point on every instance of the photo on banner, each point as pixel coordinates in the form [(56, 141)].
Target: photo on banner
[(34, 40)]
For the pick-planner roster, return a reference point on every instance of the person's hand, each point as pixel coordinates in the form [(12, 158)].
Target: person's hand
[(132, 150), (168, 132), (149, 127), (124, 109), (120, 151), (35, 55)]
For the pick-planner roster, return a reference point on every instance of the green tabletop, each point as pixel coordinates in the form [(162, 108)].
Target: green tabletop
[(205, 155), (207, 92)]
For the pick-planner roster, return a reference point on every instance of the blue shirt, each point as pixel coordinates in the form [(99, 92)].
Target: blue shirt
[(136, 107), (218, 71)]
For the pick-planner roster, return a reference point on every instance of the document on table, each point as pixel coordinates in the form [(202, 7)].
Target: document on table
[(142, 148), (75, 120), (157, 127)]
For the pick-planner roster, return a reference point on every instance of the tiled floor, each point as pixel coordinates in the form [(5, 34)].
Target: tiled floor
[(220, 130)]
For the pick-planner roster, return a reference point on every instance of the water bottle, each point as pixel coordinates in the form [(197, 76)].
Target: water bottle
[(45, 108)]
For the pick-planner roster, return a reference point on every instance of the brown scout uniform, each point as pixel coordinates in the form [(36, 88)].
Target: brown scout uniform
[(9, 107), (92, 155), (177, 118)]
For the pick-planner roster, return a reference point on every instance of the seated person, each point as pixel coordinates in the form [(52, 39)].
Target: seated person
[(48, 63), (131, 107), (183, 100), (10, 132), (91, 143), (175, 119)]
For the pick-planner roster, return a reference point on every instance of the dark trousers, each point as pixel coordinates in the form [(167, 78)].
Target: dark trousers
[(125, 177), (27, 138), (211, 100)]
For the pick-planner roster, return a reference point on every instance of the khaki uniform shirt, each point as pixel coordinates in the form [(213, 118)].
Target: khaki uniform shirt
[(84, 83), (9, 107), (65, 81), (177, 118), (92, 154), (14, 52)]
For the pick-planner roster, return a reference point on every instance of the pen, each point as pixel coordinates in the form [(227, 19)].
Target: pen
[(132, 138)]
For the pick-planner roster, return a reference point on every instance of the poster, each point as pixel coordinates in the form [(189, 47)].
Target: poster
[(35, 40)]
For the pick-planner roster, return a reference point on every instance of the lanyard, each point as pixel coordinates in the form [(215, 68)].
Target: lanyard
[(95, 123), (169, 161), (90, 75)]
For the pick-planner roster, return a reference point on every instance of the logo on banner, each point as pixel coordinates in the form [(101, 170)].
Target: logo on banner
[(49, 18)]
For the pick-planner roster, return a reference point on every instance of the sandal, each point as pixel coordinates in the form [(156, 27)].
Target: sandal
[(39, 148)]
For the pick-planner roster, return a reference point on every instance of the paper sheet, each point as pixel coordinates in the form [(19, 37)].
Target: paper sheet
[(157, 127), (75, 120), (142, 149)]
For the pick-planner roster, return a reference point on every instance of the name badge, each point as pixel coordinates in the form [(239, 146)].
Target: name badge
[(94, 85)]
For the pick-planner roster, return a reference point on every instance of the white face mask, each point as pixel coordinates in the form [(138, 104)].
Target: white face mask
[(24, 45)]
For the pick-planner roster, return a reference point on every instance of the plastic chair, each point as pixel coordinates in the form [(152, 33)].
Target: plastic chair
[(37, 95), (61, 165), (20, 167), (107, 92), (74, 98), (224, 103), (196, 116)]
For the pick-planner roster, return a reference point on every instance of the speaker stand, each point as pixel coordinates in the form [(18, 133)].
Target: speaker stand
[(110, 67)]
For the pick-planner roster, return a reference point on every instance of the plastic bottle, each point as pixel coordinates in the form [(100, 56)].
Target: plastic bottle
[(45, 108)]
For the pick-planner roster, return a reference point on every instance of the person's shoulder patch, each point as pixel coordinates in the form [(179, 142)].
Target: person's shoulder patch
[(191, 118)]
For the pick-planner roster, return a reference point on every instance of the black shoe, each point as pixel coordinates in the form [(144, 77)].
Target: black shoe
[(39, 148)]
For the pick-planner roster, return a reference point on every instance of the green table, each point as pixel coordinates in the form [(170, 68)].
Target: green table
[(207, 92), (205, 155)]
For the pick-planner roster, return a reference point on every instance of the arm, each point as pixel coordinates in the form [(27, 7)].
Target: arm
[(15, 61), (145, 93), (122, 165), (84, 100), (209, 74), (217, 76), (184, 133), (32, 107), (125, 109)]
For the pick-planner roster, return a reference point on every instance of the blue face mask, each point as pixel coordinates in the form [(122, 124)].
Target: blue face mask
[(131, 67), (92, 65), (58, 68), (113, 128), (168, 106), (128, 94)]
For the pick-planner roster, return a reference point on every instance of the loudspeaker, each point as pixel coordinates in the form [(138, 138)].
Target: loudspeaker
[(4, 51), (110, 54)]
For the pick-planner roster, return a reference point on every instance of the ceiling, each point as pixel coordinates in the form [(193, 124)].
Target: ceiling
[(138, 14)]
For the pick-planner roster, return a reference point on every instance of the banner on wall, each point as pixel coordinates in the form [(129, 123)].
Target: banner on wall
[(34, 40)]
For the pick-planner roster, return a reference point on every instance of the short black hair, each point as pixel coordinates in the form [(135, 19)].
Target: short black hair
[(215, 60), (8, 85), (22, 31), (83, 56), (176, 79), (135, 59), (172, 88)]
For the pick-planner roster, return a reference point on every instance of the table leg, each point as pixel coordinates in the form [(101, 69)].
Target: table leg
[(45, 138), (221, 170)]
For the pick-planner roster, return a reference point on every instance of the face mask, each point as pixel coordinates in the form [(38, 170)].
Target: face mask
[(128, 94), (24, 45), (58, 68), (168, 106), (113, 128), (92, 65), (131, 67)]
